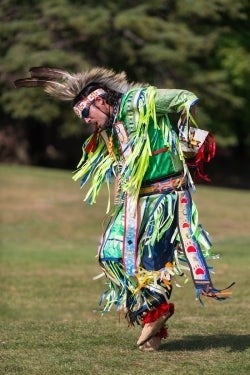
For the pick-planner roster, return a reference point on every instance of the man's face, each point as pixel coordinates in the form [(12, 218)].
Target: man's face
[(93, 109), (98, 114)]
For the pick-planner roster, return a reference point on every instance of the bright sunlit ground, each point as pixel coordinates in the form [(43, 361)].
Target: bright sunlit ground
[(50, 321)]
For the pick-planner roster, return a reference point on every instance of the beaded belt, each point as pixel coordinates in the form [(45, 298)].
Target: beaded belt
[(164, 186)]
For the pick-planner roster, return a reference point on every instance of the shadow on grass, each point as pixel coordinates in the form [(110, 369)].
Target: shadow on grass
[(233, 342)]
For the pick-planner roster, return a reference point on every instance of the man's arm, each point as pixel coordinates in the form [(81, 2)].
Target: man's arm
[(174, 101)]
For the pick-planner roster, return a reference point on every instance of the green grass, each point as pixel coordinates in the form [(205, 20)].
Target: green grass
[(50, 321)]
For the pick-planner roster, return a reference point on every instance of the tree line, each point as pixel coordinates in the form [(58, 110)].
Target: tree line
[(197, 45)]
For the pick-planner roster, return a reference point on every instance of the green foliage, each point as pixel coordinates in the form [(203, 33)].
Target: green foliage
[(197, 45)]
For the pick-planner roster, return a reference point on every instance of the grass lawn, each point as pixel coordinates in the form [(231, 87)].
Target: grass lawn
[(50, 321)]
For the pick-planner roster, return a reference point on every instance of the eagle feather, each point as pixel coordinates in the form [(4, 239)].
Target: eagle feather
[(66, 86)]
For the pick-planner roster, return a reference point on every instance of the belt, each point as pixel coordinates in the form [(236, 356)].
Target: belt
[(164, 186)]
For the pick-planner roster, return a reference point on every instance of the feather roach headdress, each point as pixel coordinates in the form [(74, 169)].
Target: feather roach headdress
[(67, 86)]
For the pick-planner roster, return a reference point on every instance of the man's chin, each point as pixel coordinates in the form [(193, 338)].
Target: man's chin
[(103, 126)]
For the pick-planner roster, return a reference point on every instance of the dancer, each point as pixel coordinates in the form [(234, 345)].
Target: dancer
[(153, 235)]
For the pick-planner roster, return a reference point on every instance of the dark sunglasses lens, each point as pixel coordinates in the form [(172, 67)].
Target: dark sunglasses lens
[(85, 112)]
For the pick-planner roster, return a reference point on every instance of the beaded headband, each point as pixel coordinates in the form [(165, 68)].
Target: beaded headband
[(87, 101)]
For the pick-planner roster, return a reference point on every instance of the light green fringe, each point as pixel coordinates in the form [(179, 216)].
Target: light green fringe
[(137, 162), (97, 164)]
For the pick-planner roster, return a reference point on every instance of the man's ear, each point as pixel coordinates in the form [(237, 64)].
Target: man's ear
[(100, 100)]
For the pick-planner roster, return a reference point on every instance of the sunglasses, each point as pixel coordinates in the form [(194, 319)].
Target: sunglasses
[(85, 112)]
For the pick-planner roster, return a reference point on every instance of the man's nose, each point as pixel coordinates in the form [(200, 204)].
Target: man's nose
[(87, 120)]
